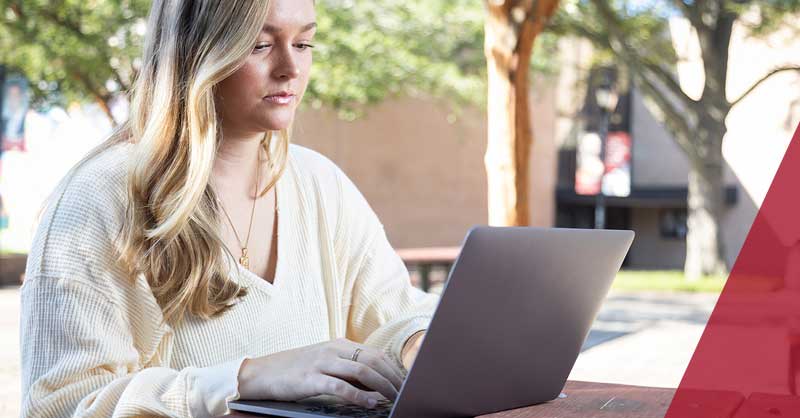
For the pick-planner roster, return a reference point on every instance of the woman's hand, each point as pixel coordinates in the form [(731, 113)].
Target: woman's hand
[(321, 369)]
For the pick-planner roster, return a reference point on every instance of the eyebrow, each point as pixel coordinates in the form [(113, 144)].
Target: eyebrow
[(274, 29)]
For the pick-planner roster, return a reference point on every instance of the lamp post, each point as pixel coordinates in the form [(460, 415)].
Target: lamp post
[(606, 99)]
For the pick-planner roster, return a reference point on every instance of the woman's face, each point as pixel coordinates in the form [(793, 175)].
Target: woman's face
[(264, 93)]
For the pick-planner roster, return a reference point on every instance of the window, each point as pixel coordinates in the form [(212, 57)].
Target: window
[(672, 223)]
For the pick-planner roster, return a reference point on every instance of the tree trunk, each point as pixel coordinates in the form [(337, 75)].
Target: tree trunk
[(511, 28), (705, 251), (509, 134)]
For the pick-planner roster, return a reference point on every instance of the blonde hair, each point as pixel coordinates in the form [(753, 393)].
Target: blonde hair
[(170, 233)]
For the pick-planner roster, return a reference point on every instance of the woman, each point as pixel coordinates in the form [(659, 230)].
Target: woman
[(145, 291)]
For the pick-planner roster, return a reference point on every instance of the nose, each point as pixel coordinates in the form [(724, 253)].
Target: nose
[(286, 66)]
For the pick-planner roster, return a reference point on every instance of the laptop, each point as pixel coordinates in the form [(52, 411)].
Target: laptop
[(513, 315)]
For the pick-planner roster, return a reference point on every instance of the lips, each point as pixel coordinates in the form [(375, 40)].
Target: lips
[(281, 97)]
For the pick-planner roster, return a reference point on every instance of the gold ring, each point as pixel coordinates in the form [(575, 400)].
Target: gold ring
[(355, 355)]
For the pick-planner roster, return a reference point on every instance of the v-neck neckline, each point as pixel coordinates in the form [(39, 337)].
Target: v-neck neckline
[(256, 280)]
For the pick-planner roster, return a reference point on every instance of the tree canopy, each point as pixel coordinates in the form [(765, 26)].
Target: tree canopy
[(365, 51), (89, 50), (72, 49)]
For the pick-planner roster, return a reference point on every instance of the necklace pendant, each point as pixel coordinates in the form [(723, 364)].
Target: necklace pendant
[(244, 260)]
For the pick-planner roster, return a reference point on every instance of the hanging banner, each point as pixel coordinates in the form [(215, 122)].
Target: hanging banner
[(589, 166), (16, 97), (617, 168)]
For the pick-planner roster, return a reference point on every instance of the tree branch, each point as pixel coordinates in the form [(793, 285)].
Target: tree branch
[(669, 81), (102, 99), (673, 119), (763, 79), (714, 39), (562, 27), (618, 44), (690, 11), (651, 83)]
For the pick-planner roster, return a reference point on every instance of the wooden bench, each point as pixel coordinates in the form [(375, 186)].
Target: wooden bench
[(12, 269), (423, 260)]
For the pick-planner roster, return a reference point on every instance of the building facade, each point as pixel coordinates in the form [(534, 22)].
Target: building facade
[(423, 173)]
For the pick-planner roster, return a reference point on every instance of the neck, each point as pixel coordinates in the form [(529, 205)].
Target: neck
[(235, 165)]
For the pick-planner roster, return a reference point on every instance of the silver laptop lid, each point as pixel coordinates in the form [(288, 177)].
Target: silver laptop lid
[(516, 309)]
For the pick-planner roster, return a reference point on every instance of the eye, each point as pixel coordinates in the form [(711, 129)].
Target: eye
[(261, 46), (304, 47)]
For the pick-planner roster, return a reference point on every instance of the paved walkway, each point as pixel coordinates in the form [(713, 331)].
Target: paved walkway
[(644, 338), (638, 339)]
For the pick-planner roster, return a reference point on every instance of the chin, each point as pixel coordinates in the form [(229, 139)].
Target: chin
[(276, 123)]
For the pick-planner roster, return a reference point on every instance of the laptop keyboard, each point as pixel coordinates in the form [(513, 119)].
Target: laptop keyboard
[(381, 410)]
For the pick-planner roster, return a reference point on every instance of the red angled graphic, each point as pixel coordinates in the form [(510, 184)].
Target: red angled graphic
[(747, 363)]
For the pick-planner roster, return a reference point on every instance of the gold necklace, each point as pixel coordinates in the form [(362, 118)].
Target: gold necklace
[(244, 260)]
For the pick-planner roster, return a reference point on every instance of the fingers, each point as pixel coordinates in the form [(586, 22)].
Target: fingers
[(379, 362), (338, 387), (352, 371), (373, 358)]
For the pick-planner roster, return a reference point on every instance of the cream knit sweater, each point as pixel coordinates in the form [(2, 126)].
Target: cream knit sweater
[(93, 344)]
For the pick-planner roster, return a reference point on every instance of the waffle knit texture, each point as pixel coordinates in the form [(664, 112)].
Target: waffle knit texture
[(94, 344)]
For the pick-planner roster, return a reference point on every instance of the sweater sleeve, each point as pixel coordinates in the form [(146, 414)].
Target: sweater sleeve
[(79, 358), (385, 309), (92, 341)]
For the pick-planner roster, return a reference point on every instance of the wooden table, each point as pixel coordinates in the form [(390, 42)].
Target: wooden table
[(586, 400)]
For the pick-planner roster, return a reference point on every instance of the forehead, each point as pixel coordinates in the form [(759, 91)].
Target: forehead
[(290, 16)]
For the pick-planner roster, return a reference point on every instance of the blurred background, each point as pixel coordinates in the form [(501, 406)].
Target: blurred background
[(667, 117)]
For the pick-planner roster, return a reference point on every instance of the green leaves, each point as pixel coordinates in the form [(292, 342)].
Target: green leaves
[(368, 51), (365, 51), (644, 25), (72, 49), (771, 14)]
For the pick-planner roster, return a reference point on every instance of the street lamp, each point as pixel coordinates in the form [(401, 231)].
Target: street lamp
[(606, 99)]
